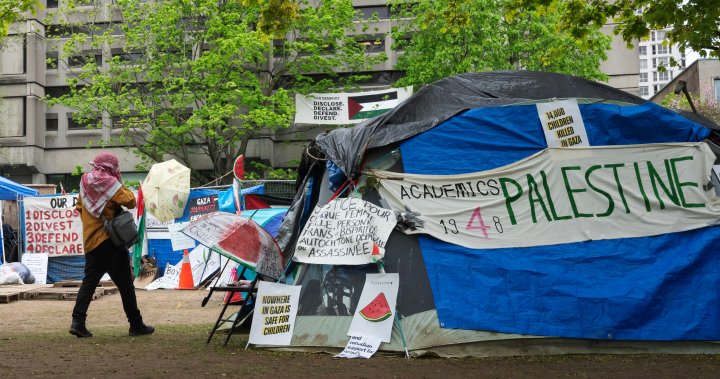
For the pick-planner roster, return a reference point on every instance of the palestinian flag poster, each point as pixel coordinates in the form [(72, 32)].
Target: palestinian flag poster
[(347, 108)]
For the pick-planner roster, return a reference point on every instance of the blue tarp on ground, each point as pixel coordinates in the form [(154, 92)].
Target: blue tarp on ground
[(654, 288)]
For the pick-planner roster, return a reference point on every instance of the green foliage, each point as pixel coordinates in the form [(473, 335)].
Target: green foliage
[(197, 79), (695, 23), (448, 37), (78, 171), (705, 103), (263, 171), (10, 11)]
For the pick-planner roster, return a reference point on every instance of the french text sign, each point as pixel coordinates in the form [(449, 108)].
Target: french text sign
[(343, 232)]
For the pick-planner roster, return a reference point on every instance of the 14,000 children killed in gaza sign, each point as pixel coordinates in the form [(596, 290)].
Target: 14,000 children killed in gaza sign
[(564, 195)]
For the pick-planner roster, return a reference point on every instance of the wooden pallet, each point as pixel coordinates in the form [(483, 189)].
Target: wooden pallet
[(61, 293), (17, 292)]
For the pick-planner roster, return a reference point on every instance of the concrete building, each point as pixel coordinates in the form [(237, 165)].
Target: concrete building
[(655, 57), (702, 79)]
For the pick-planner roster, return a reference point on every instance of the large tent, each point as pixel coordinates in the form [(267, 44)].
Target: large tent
[(606, 295)]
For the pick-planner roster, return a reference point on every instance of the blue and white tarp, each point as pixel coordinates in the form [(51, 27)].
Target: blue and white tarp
[(660, 287)]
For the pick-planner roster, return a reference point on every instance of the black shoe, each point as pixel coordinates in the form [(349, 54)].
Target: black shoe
[(79, 330), (141, 330)]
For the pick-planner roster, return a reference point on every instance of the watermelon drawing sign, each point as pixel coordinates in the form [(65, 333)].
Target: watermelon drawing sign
[(376, 307)]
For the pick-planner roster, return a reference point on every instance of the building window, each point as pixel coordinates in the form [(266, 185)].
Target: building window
[(660, 35), (661, 49), (643, 50), (655, 76), (654, 63), (373, 44), (643, 77), (663, 62), (644, 91), (51, 122), (367, 13), (128, 57), (663, 76), (717, 88), (78, 61), (51, 60), (12, 111), (70, 183), (643, 64), (12, 55), (77, 124), (656, 88), (52, 3), (652, 35)]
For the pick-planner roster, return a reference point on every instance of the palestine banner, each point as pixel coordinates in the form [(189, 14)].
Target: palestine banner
[(347, 108), (563, 196)]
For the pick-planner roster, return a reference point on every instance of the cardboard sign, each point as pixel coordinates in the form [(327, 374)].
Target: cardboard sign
[(343, 232), (562, 123), (360, 347), (564, 195), (375, 313), (37, 263), (275, 311), (347, 108), (52, 225), (179, 240)]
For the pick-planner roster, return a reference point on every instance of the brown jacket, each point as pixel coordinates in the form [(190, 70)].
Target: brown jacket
[(93, 230)]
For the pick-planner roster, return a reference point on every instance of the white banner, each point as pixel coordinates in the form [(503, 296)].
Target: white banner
[(52, 225), (343, 232), (347, 108), (375, 313), (275, 310), (564, 195), (562, 123)]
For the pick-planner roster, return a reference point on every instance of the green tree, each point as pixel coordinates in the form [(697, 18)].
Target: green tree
[(447, 37), (10, 10), (197, 79), (695, 23)]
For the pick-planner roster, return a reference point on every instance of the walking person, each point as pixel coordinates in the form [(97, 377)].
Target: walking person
[(101, 195)]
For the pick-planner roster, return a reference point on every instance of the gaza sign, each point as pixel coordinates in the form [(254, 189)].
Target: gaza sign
[(563, 196)]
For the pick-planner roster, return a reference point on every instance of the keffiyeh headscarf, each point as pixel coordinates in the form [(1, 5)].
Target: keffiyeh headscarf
[(100, 185)]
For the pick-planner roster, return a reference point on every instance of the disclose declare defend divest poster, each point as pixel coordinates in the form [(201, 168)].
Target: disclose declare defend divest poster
[(52, 225)]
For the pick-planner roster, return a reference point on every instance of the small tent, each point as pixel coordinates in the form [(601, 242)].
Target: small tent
[(588, 295), (12, 191)]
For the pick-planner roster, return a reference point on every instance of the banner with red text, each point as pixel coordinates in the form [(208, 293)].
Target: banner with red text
[(563, 195), (52, 225)]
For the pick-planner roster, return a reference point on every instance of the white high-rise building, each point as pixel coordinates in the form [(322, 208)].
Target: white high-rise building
[(656, 55)]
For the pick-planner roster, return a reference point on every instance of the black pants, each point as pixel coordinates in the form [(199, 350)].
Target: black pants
[(115, 261)]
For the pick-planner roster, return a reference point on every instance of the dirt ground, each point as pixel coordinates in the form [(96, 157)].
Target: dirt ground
[(34, 342)]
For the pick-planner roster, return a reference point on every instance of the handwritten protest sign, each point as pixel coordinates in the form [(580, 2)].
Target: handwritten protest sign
[(343, 232), (53, 226), (275, 311), (564, 195), (562, 123), (178, 240), (360, 347), (375, 313)]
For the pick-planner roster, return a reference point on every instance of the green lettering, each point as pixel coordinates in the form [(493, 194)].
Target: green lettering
[(533, 193), (509, 199), (614, 167), (611, 203), (640, 186), (679, 185), (656, 180), (570, 191), (550, 200)]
